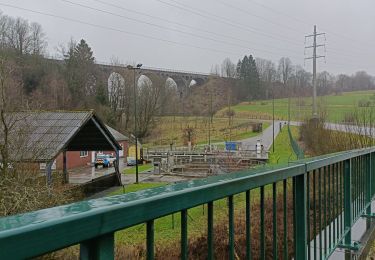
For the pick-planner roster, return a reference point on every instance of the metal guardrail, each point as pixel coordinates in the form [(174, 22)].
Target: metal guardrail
[(336, 187), (296, 148)]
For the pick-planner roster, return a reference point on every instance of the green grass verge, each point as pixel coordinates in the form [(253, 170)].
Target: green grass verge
[(283, 148), (141, 168)]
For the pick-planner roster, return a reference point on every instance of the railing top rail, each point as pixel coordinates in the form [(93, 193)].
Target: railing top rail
[(42, 231)]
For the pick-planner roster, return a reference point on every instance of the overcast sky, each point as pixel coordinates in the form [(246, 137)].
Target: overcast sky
[(193, 35)]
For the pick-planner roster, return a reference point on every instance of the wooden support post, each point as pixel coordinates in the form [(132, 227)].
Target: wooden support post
[(49, 173), (117, 167), (65, 171)]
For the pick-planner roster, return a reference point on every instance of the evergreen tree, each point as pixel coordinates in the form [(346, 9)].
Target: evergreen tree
[(248, 73), (80, 63)]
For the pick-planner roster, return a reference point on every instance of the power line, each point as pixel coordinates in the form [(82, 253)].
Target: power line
[(186, 8), (168, 28), (224, 20), (118, 30), (256, 15), (279, 12), (186, 25), (331, 32)]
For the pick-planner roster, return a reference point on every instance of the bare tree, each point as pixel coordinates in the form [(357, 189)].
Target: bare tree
[(38, 40), (285, 70), (148, 103), (228, 68), (215, 70), (19, 35)]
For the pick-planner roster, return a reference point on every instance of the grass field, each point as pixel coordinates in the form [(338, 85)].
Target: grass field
[(169, 130), (335, 106), (141, 168)]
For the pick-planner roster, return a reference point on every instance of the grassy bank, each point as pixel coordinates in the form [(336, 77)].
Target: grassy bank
[(335, 106)]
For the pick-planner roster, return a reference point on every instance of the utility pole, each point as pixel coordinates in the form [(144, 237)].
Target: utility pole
[(314, 57), (129, 67)]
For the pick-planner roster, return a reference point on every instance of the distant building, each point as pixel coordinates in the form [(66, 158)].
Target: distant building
[(44, 138)]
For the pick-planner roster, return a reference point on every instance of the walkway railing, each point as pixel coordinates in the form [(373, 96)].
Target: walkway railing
[(328, 195), (296, 148)]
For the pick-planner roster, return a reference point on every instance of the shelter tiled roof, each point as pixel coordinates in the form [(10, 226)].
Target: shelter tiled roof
[(117, 135), (41, 135)]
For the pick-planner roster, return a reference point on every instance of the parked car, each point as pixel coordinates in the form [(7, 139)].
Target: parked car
[(130, 161), (106, 160)]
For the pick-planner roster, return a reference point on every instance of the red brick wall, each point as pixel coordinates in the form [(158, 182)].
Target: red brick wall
[(73, 160)]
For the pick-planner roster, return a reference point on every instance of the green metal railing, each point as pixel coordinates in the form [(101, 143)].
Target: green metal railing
[(328, 195), (296, 148)]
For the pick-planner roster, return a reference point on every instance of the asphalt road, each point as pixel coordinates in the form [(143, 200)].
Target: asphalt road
[(265, 138)]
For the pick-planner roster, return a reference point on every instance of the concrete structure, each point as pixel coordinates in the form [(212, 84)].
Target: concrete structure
[(183, 79)]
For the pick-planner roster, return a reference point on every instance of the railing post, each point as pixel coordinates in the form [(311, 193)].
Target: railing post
[(368, 190), (100, 248), (300, 217), (347, 206)]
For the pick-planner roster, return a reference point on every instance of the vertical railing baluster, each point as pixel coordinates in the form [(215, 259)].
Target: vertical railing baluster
[(361, 184), (294, 191), (301, 220), (184, 234), (329, 209), (231, 227), (364, 208), (100, 248), (337, 215), (334, 204), (347, 203), (285, 209), (314, 216), (342, 196), (308, 215), (356, 187), (325, 208), (150, 239), (274, 222), (368, 185), (262, 235), (210, 228), (320, 213), (248, 225), (355, 170)]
